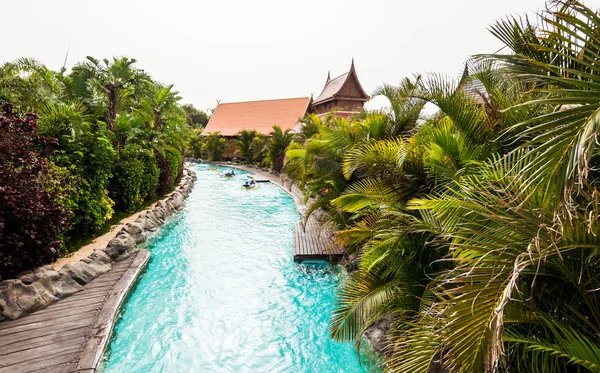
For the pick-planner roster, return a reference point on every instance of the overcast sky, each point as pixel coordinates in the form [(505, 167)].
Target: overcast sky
[(258, 49)]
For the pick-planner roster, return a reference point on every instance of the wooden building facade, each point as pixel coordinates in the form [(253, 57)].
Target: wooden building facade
[(344, 93)]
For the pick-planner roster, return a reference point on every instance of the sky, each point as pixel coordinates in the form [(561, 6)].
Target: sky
[(244, 50)]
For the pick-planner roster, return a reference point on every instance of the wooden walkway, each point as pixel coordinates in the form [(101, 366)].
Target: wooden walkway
[(313, 242), (70, 335)]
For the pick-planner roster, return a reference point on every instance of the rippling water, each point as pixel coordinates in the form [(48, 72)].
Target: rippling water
[(222, 293)]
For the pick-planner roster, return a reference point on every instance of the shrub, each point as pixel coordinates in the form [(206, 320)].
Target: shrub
[(126, 183), (90, 159), (164, 177), (31, 216), (175, 164), (150, 176)]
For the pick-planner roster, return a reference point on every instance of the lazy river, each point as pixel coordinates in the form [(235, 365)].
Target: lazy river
[(222, 293)]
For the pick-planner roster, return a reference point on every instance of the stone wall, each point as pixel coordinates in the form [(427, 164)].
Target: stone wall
[(37, 289)]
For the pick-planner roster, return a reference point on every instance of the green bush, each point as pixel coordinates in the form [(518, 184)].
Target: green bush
[(175, 164), (126, 184), (150, 176), (89, 159)]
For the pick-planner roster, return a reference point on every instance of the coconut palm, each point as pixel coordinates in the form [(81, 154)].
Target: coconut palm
[(118, 81)]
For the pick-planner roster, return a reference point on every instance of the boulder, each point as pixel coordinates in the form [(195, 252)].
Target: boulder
[(151, 224), (139, 238), (79, 271), (18, 299), (29, 277), (133, 228), (119, 245), (376, 333), (100, 256), (61, 286)]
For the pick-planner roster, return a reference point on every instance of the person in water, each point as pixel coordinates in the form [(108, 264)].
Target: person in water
[(246, 185)]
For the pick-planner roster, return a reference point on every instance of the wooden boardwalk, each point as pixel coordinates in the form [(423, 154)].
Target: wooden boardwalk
[(70, 335), (313, 242)]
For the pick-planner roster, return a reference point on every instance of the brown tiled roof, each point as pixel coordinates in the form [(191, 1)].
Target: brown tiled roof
[(332, 87), (231, 118)]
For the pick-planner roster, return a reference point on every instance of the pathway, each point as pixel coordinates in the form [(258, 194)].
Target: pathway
[(70, 335)]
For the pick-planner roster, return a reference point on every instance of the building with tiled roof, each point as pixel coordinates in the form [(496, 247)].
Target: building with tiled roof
[(230, 118), (344, 93)]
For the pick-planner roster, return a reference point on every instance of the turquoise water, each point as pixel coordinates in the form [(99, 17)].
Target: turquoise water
[(222, 293)]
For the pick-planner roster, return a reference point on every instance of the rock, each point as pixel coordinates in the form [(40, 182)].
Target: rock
[(18, 299), (29, 277), (350, 262), (151, 224), (119, 245), (133, 228), (61, 286), (127, 254), (139, 238), (101, 256), (376, 333), (79, 271)]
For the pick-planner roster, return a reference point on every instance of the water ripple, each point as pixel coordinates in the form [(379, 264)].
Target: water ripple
[(222, 293)]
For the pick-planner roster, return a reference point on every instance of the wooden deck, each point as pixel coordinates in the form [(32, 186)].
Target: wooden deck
[(70, 335), (313, 242)]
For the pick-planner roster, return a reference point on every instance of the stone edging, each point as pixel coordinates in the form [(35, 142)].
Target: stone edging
[(37, 289)]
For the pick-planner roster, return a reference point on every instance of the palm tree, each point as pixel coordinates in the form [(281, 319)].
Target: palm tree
[(278, 143), (247, 145), (405, 105), (214, 146), (118, 81)]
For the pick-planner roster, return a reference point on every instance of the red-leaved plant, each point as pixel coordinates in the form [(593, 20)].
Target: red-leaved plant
[(31, 220)]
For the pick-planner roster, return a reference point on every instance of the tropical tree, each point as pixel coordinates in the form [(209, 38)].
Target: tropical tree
[(214, 146), (246, 144), (118, 81), (279, 141)]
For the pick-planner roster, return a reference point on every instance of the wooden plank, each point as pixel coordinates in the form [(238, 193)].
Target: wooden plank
[(62, 368), (46, 331), (66, 317), (48, 316), (42, 351), (303, 245), (102, 328), (101, 285), (83, 295), (53, 340), (60, 305), (61, 357)]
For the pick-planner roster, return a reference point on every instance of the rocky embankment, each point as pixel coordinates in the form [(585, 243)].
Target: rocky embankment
[(37, 289)]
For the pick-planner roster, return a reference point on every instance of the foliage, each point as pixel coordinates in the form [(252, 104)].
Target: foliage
[(278, 142), (475, 229), (250, 145), (175, 163), (111, 121), (150, 176), (164, 175), (195, 118), (32, 216), (90, 160), (128, 176), (214, 146)]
